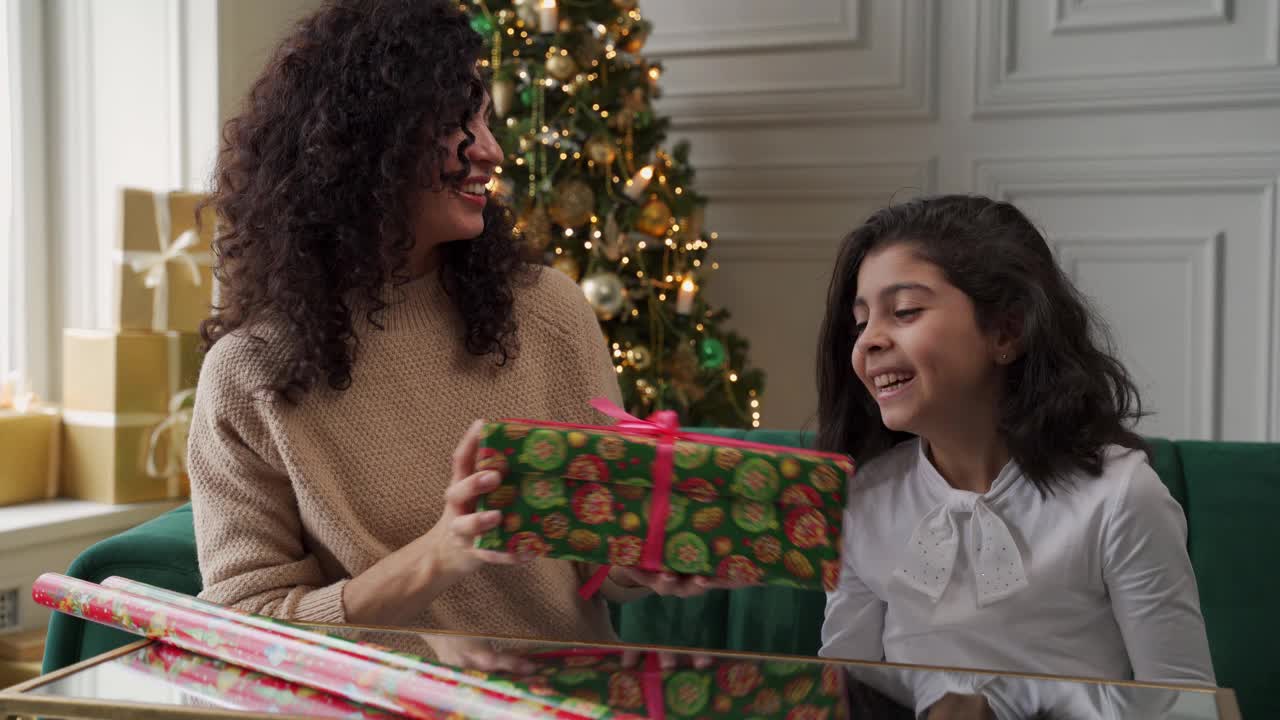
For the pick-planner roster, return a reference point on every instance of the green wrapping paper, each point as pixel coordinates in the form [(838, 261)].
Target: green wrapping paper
[(737, 511)]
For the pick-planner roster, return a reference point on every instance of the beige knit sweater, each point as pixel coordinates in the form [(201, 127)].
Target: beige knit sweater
[(291, 501)]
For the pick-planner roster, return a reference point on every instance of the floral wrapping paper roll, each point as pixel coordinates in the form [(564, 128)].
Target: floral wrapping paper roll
[(417, 694)]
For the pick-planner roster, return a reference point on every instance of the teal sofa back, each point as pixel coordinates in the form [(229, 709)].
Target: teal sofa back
[(1229, 491)]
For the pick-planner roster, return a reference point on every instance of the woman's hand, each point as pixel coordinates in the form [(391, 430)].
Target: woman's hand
[(665, 583), (450, 544), (397, 588), (478, 654)]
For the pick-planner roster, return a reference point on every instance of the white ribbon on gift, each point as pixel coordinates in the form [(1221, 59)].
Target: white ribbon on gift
[(177, 423), (154, 265), (929, 560)]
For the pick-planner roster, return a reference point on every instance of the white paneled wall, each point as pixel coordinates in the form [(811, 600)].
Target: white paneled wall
[(1143, 136)]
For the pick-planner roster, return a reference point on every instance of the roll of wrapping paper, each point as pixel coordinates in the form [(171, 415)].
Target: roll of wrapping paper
[(230, 686), (414, 694), (365, 650)]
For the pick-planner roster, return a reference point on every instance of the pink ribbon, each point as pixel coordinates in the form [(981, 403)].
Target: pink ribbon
[(665, 425)]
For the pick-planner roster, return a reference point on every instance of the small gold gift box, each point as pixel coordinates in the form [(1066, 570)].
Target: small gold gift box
[(30, 434), (124, 420), (166, 262)]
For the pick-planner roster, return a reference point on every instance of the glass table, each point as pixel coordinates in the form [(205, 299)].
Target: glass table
[(151, 680)]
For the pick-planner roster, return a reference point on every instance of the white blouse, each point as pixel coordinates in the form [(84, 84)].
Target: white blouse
[(1093, 580)]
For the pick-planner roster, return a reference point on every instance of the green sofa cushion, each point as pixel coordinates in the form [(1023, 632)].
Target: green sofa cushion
[(159, 552), (1233, 502)]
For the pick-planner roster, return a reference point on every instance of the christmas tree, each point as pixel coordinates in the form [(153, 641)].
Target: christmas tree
[(598, 193)]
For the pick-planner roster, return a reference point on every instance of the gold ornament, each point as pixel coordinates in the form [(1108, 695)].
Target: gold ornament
[(605, 294), (601, 151), (573, 203), (613, 244), (535, 227), (560, 66), (503, 96), (655, 218), (640, 356), (635, 41), (567, 265)]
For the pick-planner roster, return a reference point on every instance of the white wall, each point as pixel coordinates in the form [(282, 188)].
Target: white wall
[(1142, 135), (138, 91)]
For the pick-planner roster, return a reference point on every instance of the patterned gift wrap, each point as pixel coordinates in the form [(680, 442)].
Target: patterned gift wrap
[(230, 686), (733, 510), (730, 688), (302, 657)]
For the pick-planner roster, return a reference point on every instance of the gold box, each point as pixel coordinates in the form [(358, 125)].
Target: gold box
[(123, 437), (165, 264), (29, 454)]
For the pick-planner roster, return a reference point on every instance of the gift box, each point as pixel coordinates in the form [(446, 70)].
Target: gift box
[(643, 494), (729, 688), (30, 438), (124, 414), (165, 261)]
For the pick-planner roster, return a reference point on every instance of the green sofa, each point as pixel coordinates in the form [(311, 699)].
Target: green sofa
[(1230, 492)]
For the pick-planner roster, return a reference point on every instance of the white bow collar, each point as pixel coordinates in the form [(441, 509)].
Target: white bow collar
[(928, 561)]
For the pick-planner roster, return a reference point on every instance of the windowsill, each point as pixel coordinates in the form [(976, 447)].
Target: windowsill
[(58, 519)]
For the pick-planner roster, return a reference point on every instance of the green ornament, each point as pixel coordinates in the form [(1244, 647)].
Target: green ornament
[(482, 24), (711, 353), (526, 96)]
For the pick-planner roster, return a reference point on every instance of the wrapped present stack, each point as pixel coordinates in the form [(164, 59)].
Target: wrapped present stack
[(126, 391), (30, 440), (644, 494)]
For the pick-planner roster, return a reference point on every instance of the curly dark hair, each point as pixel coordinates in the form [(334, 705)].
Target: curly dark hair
[(1066, 395), (315, 177)]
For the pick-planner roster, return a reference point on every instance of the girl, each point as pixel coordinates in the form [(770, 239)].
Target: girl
[(374, 304), (1004, 516)]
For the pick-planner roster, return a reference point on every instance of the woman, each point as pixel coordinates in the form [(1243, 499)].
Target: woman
[(373, 303)]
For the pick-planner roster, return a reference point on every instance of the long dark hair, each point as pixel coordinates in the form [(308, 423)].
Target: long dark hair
[(1066, 395), (315, 175)]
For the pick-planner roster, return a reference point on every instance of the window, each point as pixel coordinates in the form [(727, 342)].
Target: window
[(23, 253), (9, 293)]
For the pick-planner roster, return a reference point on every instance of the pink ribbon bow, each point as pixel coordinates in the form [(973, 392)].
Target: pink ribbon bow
[(664, 425)]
